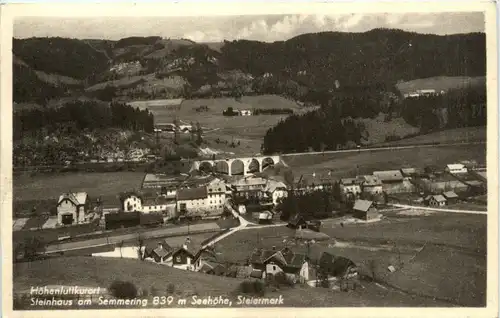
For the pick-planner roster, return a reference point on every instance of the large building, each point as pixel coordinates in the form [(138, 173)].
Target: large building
[(205, 201), (72, 208), (393, 181)]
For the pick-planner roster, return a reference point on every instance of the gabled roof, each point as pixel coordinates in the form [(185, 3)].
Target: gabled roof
[(129, 194), (388, 175), (160, 251), (450, 195), (362, 205), (439, 198), (335, 265), (78, 198), (192, 194), (256, 273), (349, 181), (371, 181), (285, 257)]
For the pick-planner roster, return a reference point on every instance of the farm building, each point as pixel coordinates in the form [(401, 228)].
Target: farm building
[(364, 210), (441, 183), (456, 168), (121, 220), (297, 222), (371, 185), (394, 182), (409, 173), (158, 252), (72, 208), (205, 258), (437, 200), (134, 202), (271, 262), (451, 197)]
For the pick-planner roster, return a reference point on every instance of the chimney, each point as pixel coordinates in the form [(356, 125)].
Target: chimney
[(160, 244), (274, 248), (184, 246)]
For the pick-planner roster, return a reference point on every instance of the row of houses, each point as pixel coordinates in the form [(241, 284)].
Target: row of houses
[(262, 263)]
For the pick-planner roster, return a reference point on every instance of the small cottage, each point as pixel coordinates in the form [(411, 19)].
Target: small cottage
[(271, 262), (72, 208), (437, 201), (364, 210), (451, 197)]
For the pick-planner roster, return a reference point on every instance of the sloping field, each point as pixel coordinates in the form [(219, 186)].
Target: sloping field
[(440, 83), (378, 129), (466, 134), (101, 272), (126, 81), (445, 273), (343, 165), (43, 187), (249, 130)]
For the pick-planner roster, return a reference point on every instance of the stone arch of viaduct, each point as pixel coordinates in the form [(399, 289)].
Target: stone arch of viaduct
[(236, 166)]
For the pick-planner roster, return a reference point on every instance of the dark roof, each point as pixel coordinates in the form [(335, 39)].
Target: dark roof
[(160, 251), (389, 175), (286, 257), (219, 270), (192, 194), (450, 195), (362, 205), (334, 265), (206, 268)]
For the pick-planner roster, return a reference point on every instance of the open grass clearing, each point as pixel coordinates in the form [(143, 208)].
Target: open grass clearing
[(50, 186), (440, 83), (466, 134), (343, 165)]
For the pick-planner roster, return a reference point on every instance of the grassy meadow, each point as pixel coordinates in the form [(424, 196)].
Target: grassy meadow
[(352, 163), (440, 256)]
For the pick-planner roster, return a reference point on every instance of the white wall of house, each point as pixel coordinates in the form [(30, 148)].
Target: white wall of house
[(459, 170), (278, 194), (272, 268), (132, 204), (353, 188), (373, 189), (304, 271), (433, 202), (68, 207)]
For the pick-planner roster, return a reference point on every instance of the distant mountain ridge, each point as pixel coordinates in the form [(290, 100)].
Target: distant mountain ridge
[(315, 61)]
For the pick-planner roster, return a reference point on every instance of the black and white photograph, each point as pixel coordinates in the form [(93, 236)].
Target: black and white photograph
[(255, 158)]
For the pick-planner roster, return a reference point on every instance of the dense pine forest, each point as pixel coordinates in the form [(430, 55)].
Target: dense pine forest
[(77, 116)]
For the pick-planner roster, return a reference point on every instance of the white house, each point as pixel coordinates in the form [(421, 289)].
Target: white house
[(245, 112), (350, 185), (133, 202), (372, 185), (72, 208), (456, 168), (276, 190), (437, 200), (199, 202), (216, 196), (271, 262)]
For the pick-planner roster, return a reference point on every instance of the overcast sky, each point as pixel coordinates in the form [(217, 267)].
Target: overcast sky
[(262, 28)]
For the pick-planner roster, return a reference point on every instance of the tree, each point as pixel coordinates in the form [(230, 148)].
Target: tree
[(192, 132), (140, 246), (199, 134), (176, 132)]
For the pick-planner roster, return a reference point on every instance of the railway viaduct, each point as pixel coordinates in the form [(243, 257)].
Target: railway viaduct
[(236, 166)]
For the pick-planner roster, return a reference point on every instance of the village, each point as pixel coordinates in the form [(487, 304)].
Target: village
[(224, 204)]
